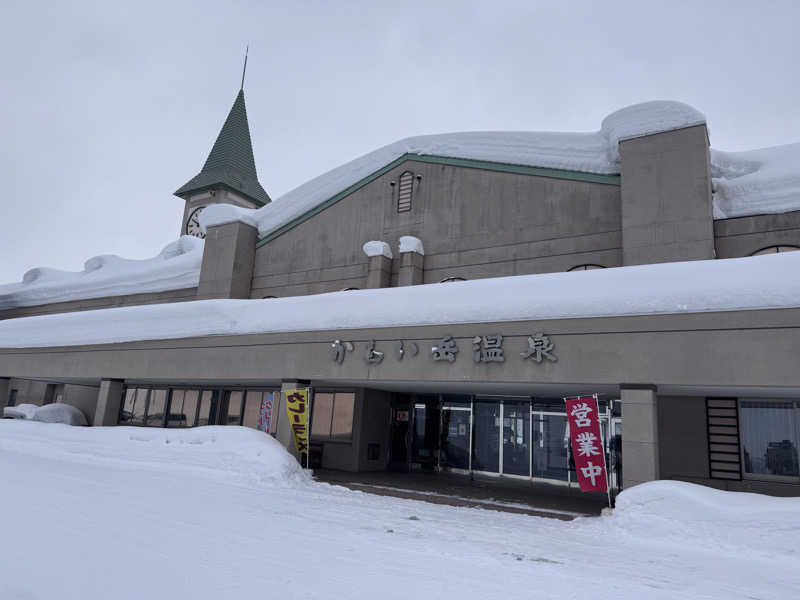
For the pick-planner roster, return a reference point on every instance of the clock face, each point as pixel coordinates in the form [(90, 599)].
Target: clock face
[(193, 225)]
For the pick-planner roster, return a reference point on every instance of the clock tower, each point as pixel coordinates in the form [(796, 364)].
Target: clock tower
[(228, 175)]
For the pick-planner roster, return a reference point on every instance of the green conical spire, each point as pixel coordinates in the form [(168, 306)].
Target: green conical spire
[(230, 162)]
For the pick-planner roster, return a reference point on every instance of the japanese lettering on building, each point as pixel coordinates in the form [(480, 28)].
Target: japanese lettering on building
[(485, 349), (446, 350), (539, 348), (297, 410), (587, 443)]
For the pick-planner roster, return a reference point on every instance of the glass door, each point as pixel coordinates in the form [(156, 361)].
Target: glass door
[(456, 415), (516, 438), (551, 456), (486, 436)]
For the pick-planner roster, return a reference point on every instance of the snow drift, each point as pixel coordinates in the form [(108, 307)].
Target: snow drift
[(176, 266), (758, 282), (594, 152), (219, 451), (756, 182)]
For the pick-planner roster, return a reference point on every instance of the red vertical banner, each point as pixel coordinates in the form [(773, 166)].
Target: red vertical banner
[(583, 417)]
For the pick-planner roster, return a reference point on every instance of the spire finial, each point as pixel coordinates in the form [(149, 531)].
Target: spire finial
[(244, 69)]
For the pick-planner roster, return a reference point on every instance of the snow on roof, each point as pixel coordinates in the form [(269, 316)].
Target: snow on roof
[(756, 182), (176, 266), (593, 152), (758, 282)]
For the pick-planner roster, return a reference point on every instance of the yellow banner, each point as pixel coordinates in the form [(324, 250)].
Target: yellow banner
[(297, 408)]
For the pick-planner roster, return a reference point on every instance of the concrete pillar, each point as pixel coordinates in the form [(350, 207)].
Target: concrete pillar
[(109, 400), (666, 197), (5, 392), (380, 272), (411, 268), (228, 260), (284, 433), (640, 454)]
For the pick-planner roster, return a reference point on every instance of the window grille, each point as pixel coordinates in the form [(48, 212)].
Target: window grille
[(722, 421), (405, 192)]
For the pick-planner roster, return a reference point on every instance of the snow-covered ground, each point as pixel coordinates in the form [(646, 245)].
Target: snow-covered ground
[(226, 513)]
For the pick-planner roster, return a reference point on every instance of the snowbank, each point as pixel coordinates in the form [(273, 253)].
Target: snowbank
[(20, 411), (176, 266), (49, 413), (375, 248), (60, 413), (757, 282), (671, 509), (224, 452), (756, 182), (594, 152)]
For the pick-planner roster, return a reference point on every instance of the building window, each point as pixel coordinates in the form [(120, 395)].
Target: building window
[(775, 250), (12, 398), (452, 279), (234, 408), (332, 416), (588, 267), (183, 408), (770, 436), (405, 191)]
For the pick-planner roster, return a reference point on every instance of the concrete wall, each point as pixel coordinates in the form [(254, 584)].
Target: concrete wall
[(744, 235), (28, 391), (82, 397), (227, 267), (181, 295), (375, 428), (683, 439), (473, 223), (666, 197)]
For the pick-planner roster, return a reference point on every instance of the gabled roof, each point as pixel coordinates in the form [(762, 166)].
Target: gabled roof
[(231, 162)]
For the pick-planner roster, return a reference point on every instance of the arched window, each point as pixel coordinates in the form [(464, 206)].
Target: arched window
[(588, 267), (268, 297), (349, 289), (775, 250), (451, 279), (405, 191)]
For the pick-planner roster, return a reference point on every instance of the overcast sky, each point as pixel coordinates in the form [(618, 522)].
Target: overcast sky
[(106, 107)]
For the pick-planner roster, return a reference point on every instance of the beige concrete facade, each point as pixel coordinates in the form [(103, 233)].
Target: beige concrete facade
[(475, 221)]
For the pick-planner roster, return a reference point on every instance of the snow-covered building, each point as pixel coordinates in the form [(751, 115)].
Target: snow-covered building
[(442, 294)]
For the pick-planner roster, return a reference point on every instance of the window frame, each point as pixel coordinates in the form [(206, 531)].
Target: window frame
[(767, 476), (329, 439)]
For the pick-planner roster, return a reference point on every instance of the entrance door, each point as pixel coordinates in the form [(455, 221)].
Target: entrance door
[(425, 444), (516, 438), (401, 423), (486, 436), (456, 415)]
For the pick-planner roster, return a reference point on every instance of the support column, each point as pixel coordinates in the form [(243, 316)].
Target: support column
[(284, 433), (411, 268), (109, 400), (5, 391), (640, 454), (380, 272)]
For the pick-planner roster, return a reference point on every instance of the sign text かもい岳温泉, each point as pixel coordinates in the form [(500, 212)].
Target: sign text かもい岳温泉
[(587, 443), (485, 349)]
